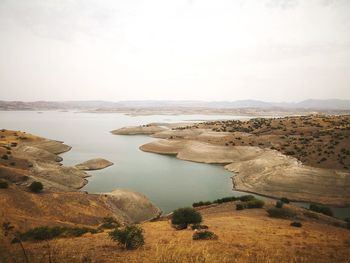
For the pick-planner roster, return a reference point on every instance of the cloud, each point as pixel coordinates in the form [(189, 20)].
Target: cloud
[(60, 20), (283, 4)]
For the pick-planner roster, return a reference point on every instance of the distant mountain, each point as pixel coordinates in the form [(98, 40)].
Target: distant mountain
[(311, 104), (335, 104)]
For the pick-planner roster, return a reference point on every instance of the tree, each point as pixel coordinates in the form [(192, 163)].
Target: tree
[(36, 187), (185, 216), (130, 237)]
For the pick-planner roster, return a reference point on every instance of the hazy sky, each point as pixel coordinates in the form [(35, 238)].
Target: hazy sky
[(273, 50)]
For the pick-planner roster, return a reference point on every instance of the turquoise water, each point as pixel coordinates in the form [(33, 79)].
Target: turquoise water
[(168, 182)]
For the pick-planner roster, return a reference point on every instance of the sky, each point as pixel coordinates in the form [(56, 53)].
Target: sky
[(271, 50)]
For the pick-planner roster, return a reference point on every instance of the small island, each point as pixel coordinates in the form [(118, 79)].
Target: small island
[(94, 164)]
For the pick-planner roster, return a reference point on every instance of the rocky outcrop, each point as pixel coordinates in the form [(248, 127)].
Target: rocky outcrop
[(134, 206), (46, 167), (26, 210), (52, 146), (94, 164)]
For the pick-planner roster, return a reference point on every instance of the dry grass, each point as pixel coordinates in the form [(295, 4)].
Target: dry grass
[(244, 236), (317, 140)]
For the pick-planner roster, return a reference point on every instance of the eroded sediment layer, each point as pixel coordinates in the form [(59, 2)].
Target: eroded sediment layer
[(264, 171), (26, 158), (26, 210)]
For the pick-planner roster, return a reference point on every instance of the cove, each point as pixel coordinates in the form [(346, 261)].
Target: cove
[(168, 182)]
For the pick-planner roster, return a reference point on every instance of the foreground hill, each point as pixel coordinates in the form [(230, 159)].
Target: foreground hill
[(243, 236)]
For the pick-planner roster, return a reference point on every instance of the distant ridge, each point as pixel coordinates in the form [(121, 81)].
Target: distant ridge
[(310, 104)]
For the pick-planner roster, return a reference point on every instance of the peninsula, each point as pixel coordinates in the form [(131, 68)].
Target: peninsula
[(304, 158)]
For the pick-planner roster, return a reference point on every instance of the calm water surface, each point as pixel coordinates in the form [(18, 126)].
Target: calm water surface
[(170, 183)]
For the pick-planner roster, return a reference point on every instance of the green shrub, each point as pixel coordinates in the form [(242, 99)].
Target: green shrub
[(243, 198), (296, 224), (36, 187), (201, 203), (321, 209), (279, 204), (226, 199), (46, 233), (281, 212), (186, 216), (239, 206), (255, 203), (285, 200), (109, 222), (246, 198), (3, 185), (130, 237), (204, 235), (4, 157)]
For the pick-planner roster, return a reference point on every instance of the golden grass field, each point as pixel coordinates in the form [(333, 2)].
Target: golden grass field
[(244, 236)]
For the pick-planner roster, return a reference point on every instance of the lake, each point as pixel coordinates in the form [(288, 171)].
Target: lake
[(168, 182)]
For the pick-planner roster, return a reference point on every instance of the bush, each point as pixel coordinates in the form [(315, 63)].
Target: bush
[(36, 187), (243, 198), (321, 209), (5, 157), (285, 200), (3, 185), (46, 233), (204, 235), (226, 199), (201, 203), (279, 204), (256, 203), (296, 224), (131, 237), (199, 227), (246, 198), (109, 222), (281, 212), (239, 206), (186, 216)]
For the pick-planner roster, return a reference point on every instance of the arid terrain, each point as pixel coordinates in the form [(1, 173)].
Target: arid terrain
[(305, 158), (254, 149), (243, 236), (26, 158)]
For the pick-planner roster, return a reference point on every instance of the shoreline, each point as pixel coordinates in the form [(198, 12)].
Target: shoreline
[(31, 158), (275, 174)]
